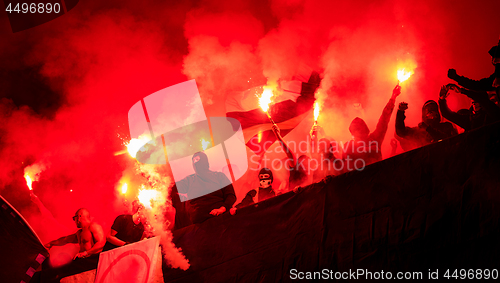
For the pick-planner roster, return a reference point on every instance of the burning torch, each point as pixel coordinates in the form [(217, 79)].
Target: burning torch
[(29, 182), (204, 144), (403, 76), (314, 130), (265, 100)]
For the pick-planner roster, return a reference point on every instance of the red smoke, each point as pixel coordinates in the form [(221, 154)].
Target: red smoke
[(81, 73)]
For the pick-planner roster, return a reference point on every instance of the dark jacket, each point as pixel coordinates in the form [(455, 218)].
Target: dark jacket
[(247, 200), (491, 109), (371, 152), (201, 202), (425, 133), (464, 118), (480, 85)]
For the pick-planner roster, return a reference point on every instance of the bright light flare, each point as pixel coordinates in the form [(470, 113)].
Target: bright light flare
[(147, 197), (265, 99), (124, 188), (403, 76), (204, 143), (135, 145), (29, 182), (316, 111)]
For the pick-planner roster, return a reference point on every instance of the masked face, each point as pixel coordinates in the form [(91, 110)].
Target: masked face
[(200, 163), (430, 113), (432, 116), (265, 181)]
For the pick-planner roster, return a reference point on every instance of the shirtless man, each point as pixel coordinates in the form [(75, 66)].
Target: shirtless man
[(91, 239)]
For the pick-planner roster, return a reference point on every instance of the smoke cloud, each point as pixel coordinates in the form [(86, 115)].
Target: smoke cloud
[(66, 86)]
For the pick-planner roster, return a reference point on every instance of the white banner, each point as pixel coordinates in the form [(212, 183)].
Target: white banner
[(134, 263)]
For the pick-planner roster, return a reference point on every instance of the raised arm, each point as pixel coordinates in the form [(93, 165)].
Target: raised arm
[(70, 239), (401, 129), (482, 97), (462, 121), (480, 85), (384, 119), (285, 147)]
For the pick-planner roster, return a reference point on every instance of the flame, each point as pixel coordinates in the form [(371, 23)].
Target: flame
[(29, 182), (316, 111), (124, 188), (265, 98), (204, 143), (403, 76), (135, 145), (32, 173), (148, 196), (259, 136)]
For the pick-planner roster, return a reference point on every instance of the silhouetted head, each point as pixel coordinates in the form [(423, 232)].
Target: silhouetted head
[(200, 163), (82, 218), (359, 130), (265, 178), (430, 113), (136, 206)]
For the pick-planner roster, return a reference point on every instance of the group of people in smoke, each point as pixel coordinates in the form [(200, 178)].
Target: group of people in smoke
[(365, 145), (126, 229), (484, 109)]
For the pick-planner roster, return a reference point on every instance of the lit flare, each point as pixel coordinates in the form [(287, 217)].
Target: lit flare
[(265, 99), (403, 76), (148, 196), (204, 144), (135, 145), (29, 182), (316, 111), (124, 188)]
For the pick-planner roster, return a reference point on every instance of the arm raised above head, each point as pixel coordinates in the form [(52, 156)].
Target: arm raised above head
[(287, 149), (383, 122)]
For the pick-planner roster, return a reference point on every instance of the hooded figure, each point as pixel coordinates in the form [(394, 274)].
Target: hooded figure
[(365, 146), (200, 164), (210, 193), (265, 190), (428, 131)]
